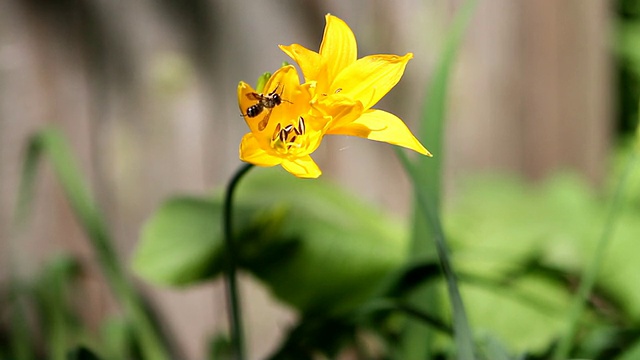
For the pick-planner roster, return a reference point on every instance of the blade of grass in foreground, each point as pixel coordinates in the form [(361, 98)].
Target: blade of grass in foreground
[(463, 336), (425, 175), (591, 271), (51, 143)]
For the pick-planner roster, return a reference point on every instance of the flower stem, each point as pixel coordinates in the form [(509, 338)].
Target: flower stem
[(233, 297)]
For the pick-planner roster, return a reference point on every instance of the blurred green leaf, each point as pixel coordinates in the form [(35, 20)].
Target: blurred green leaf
[(529, 245), (52, 294), (632, 352), (411, 277), (314, 336), (21, 341), (220, 348), (339, 247), (316, 247), (116, 336), (491, 349), (82, 353), (496, 226), (181, 243), (627, 44)]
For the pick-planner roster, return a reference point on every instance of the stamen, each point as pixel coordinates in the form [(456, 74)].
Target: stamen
[(287, 139), (276, 133)]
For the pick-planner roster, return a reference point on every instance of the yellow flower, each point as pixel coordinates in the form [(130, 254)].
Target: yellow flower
[(343, 81), (286, 133), (288, 119)]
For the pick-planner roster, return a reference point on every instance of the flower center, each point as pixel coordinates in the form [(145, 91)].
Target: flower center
[(289, 139)]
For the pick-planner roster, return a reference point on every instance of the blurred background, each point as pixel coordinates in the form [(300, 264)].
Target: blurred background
[(145, 91)]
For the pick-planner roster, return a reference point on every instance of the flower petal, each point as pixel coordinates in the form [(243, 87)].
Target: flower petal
[(303, 167), (342, 109), (338, 48), (310, 62), (380, 125), (251, 152), (370, 78), (243, 100)]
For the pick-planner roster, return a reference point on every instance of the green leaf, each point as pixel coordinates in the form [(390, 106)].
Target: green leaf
[(412, 277), (492, 349), (82, 353), (22, 344), (181, 243), (52, 290), (220, 348), (314, 246), (632, 352), (116, 335), (335, 248)]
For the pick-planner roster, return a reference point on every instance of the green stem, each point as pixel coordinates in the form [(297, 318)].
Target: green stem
[(586, 285), (233, 296)]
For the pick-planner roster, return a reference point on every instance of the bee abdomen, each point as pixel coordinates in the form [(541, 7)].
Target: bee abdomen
[(254, 110)]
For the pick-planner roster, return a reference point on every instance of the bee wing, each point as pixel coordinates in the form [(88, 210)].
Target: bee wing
[(254, 96), (265, 120)]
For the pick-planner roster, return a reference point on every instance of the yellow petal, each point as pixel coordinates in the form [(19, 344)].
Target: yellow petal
[(370, 78), (380, 125), (338, 48), (243, 100), (310, 62), (314, 137), (303, 167), (251, 152), (342, 109)]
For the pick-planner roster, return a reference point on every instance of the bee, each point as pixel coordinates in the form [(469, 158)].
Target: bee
[(268, 102)]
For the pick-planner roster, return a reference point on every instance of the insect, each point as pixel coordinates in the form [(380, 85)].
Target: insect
[(268, 102)]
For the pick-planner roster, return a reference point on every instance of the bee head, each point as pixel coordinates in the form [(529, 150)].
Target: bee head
[(277, 100)]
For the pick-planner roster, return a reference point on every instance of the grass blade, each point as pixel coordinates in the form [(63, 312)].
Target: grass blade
[(425, 175), (463, 336), (51, 143)]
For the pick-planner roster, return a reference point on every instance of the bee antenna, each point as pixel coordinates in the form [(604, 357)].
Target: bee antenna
[(276, 89)]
